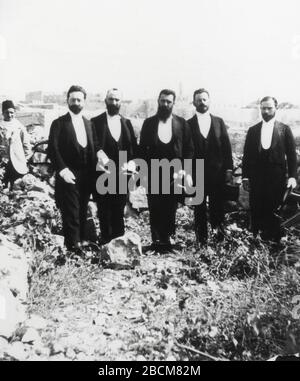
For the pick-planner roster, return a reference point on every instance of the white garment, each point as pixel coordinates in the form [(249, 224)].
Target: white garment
[(204, 121), (165, 130), (14, 144), (267, 133), (79, 128), (114, 125)]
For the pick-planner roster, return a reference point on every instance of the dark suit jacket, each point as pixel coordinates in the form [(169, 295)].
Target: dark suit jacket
[(104, 140), (182, 140), (282, 154), (217, 155), (63, 148)]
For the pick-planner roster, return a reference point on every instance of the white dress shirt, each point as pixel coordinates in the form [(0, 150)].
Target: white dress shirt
[(165, 130), (114, 125), (267, 133), (204, 121), (79, 128)]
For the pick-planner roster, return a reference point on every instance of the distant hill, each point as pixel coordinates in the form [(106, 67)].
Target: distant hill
[(281, 106)]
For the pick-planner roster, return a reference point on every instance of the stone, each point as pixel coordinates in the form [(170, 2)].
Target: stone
[(17, 351), (3, 346), (37, 195), (31, 336), (36, 322), (70, 353), (100, 320), (57, 348), (13, 268), (41, 350), (100, 347), (138, 199), (57, 240), (123, 252), (12, 312), (82, 357), (59, 357), (116, 346), (171, 358), (36, 357), (140, 358)]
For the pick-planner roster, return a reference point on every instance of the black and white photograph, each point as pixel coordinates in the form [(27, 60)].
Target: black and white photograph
[(149, 183)]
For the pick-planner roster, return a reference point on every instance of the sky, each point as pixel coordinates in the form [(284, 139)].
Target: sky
[(239, 50)]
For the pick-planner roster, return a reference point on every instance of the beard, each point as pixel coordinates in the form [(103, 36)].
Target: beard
[(75, 109), (164, 112), (267, 118), (112, 109), (202, 109)]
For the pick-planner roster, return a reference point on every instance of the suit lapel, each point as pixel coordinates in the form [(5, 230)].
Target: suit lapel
[(89, 134), (212, 129), (102, 130), (258, 137), (196, 130), (70, 130), (124, 136), (174, 127), (275, 135), (155, 130)]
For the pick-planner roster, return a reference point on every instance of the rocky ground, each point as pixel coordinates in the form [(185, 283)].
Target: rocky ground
[(234, 300)]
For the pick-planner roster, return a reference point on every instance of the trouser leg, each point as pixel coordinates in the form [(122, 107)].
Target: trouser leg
[(154, 212), (70, 212), (200, 220), (84, 200), (256, 210), (216, 208), (162, 210), (271, 223), (10, 175), (104, 214), (117, 216), (111, 216), (168, 216)]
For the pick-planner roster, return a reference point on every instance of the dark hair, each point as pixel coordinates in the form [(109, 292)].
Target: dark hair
[(268, 98), (167, 92), (200, 91), (7, 104), (76, 88)]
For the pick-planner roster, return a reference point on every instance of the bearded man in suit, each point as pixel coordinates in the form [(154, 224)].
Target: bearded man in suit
[(211, 144), (164, 136), (71, 151), (113, 135), (269, 167)]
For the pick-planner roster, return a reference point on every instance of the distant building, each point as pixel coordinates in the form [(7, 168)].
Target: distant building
[(34, 97), (59, 99)]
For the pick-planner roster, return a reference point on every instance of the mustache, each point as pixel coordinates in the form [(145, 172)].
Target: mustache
[(75, 109)]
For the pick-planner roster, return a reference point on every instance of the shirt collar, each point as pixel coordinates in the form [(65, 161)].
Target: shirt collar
[(75, 116), (202, 115), (269, 123)]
